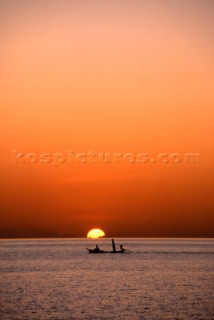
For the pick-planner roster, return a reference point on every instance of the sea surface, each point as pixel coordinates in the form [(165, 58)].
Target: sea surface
[(58, 279)]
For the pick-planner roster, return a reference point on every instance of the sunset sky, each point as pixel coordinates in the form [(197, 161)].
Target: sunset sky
[(111, 76)]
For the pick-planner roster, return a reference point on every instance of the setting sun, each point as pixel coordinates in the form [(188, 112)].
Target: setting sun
[(95, 233)]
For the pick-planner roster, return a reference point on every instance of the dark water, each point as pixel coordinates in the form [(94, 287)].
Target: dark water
[(58, 279)]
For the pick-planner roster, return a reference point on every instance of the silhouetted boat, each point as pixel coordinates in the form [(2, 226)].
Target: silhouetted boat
[(97, 249), (102, 251)]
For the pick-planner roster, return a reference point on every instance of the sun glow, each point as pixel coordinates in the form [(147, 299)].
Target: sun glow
[(95, 233)]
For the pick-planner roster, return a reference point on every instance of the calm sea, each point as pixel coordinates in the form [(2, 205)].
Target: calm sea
[(57, 279)]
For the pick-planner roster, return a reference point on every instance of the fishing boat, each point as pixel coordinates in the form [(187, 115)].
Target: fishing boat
[(98, 250)]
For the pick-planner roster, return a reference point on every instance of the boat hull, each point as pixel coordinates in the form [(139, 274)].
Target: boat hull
[(102, 251)]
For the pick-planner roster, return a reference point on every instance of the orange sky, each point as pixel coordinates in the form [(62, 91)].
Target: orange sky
[(108, 76)]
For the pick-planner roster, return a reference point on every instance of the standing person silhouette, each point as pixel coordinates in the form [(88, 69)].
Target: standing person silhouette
[(113, 245)]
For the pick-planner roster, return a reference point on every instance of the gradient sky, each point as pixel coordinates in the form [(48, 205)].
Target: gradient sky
[(107, 76)]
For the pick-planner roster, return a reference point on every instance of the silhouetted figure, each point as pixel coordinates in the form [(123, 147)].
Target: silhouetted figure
[(97, 249), (113, 245), (121, 248)]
